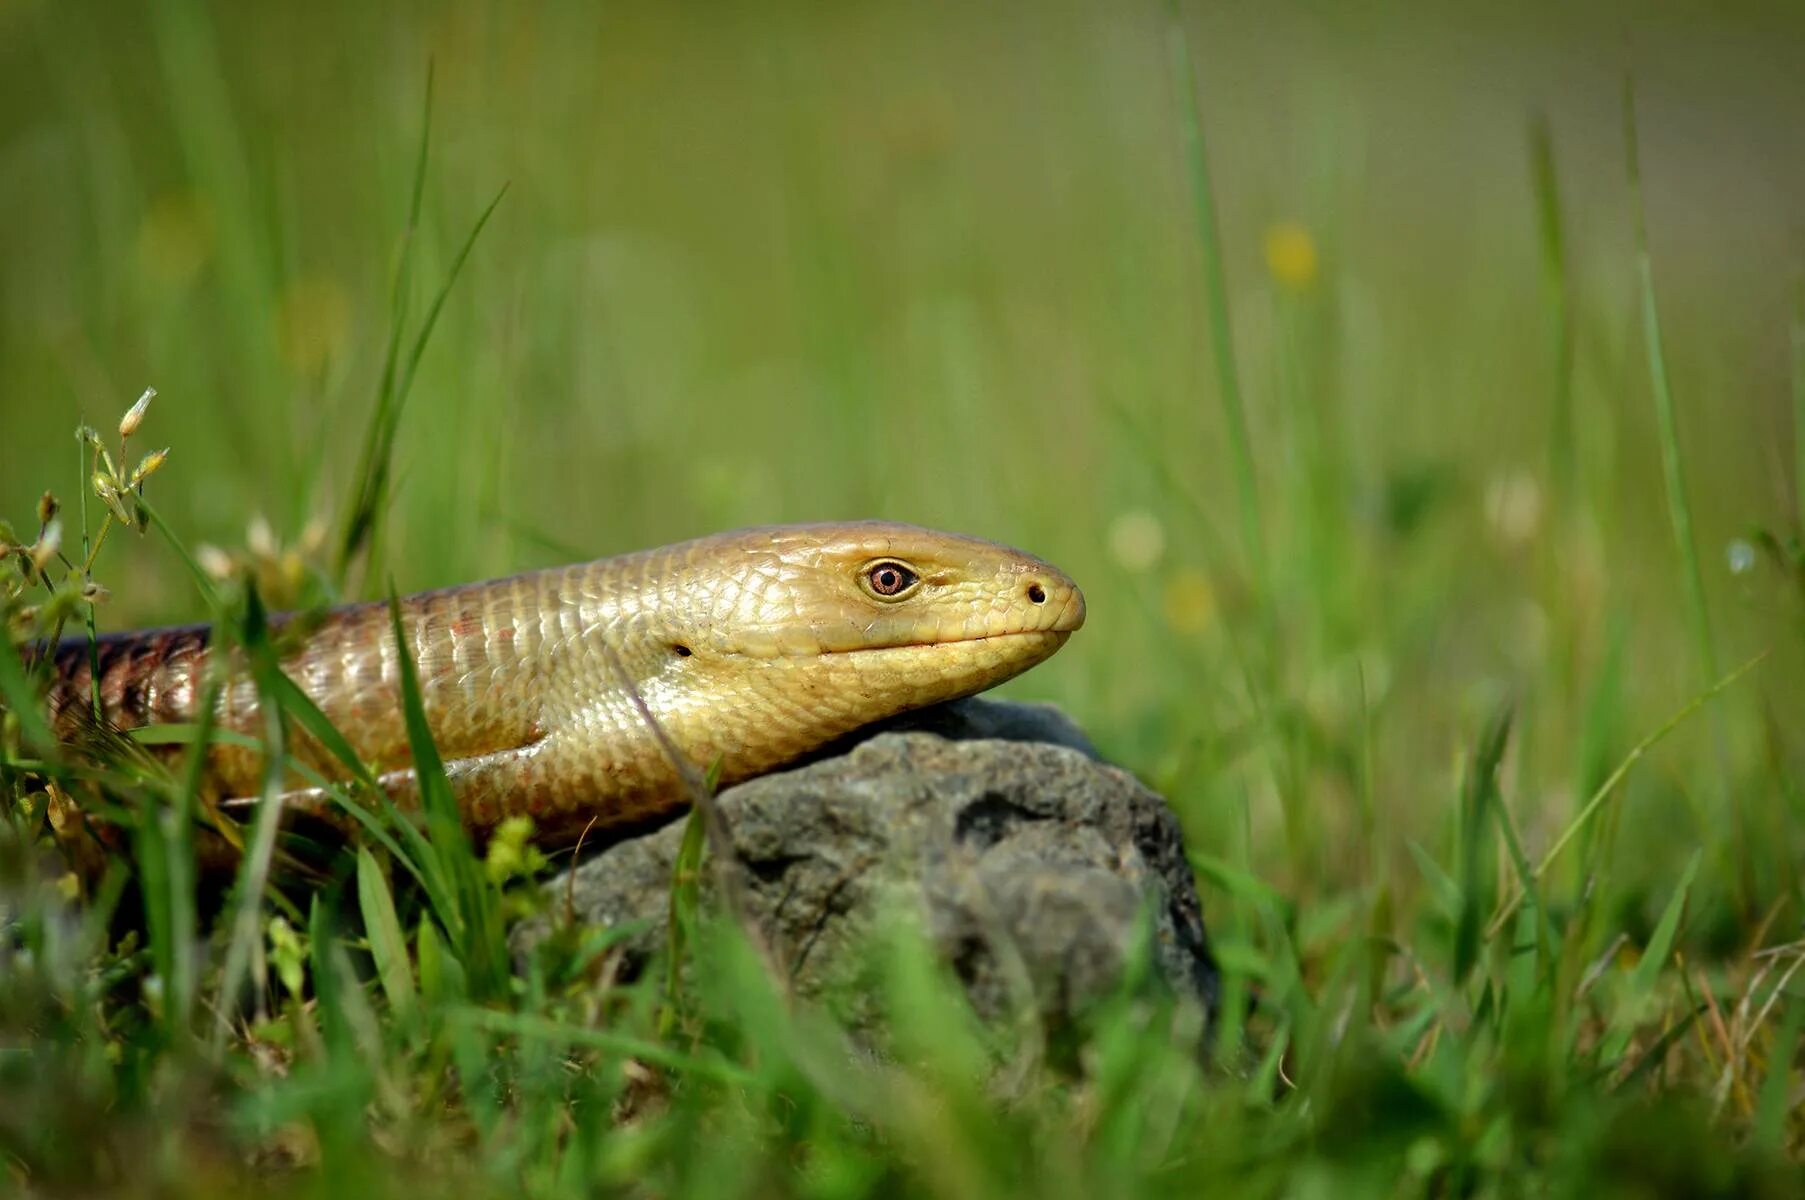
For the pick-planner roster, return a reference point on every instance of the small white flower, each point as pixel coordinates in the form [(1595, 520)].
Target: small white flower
[(1137, 539), (1513, 506), (134, 416), (214, 561), (1741, 556), (261, 539)]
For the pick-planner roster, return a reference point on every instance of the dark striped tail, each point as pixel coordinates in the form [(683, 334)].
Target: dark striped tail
[(146, 678)]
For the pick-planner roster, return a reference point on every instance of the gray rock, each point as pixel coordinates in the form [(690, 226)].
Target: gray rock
[(1032, 867)]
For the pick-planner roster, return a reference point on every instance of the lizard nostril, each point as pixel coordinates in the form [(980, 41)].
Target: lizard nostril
[(1037, 594)]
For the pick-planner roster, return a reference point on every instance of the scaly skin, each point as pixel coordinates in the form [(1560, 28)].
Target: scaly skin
[(789, 646)]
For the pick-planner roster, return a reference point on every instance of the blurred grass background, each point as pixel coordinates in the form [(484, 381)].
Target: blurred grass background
[(938, 262), (772, 262)]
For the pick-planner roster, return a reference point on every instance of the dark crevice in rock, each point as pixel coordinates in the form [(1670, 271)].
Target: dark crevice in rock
[(968, 956), (772, 868), (989, 819)]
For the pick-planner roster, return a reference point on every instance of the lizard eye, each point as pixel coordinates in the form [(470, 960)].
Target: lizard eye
[(887, 580)]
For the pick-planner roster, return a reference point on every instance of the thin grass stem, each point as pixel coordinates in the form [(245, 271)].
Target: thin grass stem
[(1215, 282)]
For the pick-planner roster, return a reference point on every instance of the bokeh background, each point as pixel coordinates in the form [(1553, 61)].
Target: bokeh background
[(939, 262)]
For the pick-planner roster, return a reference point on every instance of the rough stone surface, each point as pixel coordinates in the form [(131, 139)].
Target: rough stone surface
[(1030, 864)]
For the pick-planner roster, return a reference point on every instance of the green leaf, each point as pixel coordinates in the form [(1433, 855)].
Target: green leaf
[(1242, 960), (441, 975), (388, 947), (523, 1025), (1657, 1050), (1535, 928), (1263, 1084), (1648, 970), (1660, 946), (329, 984), (1774, 1105), (1447, 892), (685, 904), (1477, 793), (1679, 507), (1239, 882)]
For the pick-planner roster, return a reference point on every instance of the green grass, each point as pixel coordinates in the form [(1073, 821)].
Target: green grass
[(1364, 435)]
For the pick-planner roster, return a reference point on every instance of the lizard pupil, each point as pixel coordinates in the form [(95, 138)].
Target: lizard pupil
[(891, 579)]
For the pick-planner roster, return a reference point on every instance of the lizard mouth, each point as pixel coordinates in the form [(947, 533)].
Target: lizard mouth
[(1056, 636)]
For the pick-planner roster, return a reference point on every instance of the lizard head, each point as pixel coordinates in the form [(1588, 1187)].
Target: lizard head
[(872, 586), (801, 633)]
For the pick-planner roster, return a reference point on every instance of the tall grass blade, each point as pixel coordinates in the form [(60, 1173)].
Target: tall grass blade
[(1562, 460), (373, 490), (477, 936), (376, 461), (87, 556), (1541, 926), (1798, 405), (1648, 969), (382, 416), (158, 880), (441, 977), (352, 1044), (1478, 792), (685, 911), (165, 838), (1222, 337), (437, 306), (203, 582), (329, 983), (1441, 884), (1657, 1051), (1679, 508), (523, 1025), (1775, 1103), (243, 951), (388, 946)]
